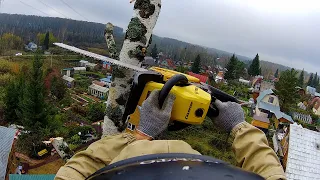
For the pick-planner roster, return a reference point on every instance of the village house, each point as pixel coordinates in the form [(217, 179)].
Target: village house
[(107, 65), (202, 78), (31, 47), (268, 107), (267, 102), (98, 91), (299, 152), (7, 157), (69, 81)]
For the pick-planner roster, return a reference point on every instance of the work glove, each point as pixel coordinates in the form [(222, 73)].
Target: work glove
[(230, 115), (153, 119)]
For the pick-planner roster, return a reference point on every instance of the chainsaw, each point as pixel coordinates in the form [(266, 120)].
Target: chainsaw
[(194, 100)]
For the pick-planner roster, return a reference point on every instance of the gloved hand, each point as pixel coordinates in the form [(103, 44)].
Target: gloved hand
[(154, 120), (230, 115)]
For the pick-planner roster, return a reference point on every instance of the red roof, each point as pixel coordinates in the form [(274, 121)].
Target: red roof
[(202, 78), (170, 63)]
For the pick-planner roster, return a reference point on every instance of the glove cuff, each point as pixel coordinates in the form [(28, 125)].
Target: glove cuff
[(140, 131)]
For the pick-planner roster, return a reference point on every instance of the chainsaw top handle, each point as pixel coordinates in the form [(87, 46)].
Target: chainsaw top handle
[(178, 79)]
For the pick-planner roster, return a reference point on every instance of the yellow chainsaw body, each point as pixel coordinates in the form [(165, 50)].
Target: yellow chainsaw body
[(190, 106)]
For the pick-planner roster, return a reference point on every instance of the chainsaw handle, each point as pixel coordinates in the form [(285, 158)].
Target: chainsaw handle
[(177, 79)]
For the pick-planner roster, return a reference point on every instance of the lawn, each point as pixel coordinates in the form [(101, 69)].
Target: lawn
[(50, 168), (206, 139)]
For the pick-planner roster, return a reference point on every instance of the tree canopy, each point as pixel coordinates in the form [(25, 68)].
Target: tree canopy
[(46, 39), (301, 79), (254, 68), (196, 64), (32, 107), (154, 52), (310, 81), (276, 74), (235, 68), (286, 89), (315, 80)]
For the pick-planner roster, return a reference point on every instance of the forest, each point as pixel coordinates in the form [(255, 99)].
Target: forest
[(90, 36)]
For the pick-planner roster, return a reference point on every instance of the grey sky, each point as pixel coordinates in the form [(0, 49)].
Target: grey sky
[(281, 31)]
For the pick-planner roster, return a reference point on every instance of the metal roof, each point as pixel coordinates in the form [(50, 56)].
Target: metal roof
[(67, 78), (263, 94), (303, 154), (80, 68), (31, 177), (6, 141), (98, 88), (280, 115), (269, 107)]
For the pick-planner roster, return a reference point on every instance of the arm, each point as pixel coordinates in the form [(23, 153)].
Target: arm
[(253, 153), (250, 144), (96, 156), (153, 120)]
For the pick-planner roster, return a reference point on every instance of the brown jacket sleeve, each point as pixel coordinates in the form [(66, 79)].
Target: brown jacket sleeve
[(254, 154), (95, 157)]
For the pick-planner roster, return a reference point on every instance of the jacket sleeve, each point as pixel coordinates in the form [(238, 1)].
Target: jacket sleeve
[(95, 157), (254, 154)]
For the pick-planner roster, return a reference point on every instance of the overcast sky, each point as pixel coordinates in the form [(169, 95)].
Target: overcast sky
[(281, 31)]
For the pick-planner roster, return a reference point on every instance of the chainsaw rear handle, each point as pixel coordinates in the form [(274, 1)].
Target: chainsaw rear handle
[(175, 80)]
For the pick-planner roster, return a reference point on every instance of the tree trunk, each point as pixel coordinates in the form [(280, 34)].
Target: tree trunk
[(137, 39)]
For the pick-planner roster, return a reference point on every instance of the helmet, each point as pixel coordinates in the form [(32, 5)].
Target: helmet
[(171, 166)]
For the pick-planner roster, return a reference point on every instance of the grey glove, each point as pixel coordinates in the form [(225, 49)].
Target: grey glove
[(154, 120), (230, 115)]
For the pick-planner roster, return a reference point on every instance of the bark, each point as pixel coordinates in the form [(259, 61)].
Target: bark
[(137, 39)]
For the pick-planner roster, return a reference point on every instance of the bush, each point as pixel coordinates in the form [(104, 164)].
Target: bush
[(79, 109), (96, 112)]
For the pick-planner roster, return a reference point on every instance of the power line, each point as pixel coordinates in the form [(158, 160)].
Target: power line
[(73, 9), (34, 8), (51, 8)]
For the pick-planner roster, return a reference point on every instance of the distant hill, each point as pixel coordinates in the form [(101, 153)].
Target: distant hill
[(90, 35)]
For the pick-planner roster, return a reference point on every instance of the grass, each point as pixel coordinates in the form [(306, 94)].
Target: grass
[(100, 75), (50, 168), (86, 98), (206, 139)]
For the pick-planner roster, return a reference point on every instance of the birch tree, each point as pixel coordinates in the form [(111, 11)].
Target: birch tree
[(137, 39)]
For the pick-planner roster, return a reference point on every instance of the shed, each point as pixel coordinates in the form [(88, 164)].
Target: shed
[(91, 65), (69, 81), (98, 91), (301, 149), (261, 122), (79, 69), (282, 117), (83, 62), (6, 154)]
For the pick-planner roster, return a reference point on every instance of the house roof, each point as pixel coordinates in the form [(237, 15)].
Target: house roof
[(6, 141), (303, 154), (79, 68), (98, 88), (202, 78), (310, 90), (107, 79), (99, 83), (67, 78), (31, 177), (280, 115), (83, 61), (263, 94), (269, 107)]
